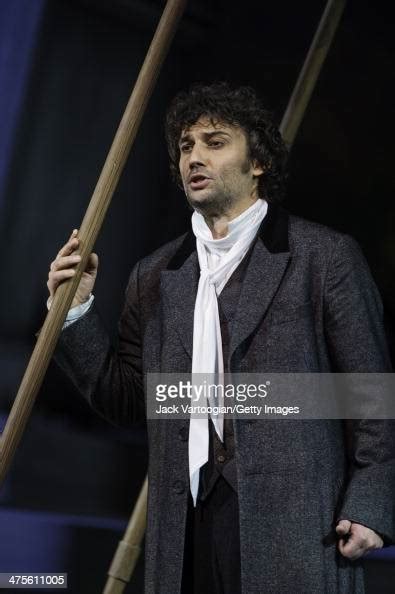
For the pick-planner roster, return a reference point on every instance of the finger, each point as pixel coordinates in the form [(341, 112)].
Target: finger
[(353, 555), (351, 550), (55, 279), (92, 264), (343, 527), (63, 262), (70, 246), (51, 289), (59, 276), (73, 234)]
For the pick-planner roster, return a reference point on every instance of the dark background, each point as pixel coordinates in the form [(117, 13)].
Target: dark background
[(66, 71)]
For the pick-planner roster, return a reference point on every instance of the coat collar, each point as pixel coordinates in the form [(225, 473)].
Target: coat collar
[(268, 262), (273, 233)]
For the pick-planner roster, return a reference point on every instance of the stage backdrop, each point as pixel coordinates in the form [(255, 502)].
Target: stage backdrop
[(66, 70)]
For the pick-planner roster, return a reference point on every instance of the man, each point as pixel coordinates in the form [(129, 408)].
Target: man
[(259, 506)]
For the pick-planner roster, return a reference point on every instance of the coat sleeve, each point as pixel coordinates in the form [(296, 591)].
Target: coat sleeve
[(109, 379), (357, 344)]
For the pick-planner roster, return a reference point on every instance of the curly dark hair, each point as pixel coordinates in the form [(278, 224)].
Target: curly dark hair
[(239, 107)]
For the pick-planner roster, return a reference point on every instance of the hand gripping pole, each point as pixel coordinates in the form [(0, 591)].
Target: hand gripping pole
[(88, 232)]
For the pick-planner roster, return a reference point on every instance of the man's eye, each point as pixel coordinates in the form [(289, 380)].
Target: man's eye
[(185, 148), (216, 143)]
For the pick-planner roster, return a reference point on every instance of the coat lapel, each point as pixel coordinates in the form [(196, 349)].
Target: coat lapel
[(268, 262), (179, 283), (267, 265)]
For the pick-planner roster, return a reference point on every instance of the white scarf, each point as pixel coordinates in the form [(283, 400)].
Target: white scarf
[(218, 258)]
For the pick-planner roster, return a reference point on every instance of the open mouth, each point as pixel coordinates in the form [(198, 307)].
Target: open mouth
[(198, 181)]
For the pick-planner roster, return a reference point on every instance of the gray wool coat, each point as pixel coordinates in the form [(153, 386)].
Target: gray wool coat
[(308, 303)]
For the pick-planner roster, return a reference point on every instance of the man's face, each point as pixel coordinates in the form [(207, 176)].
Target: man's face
[(215, 169)]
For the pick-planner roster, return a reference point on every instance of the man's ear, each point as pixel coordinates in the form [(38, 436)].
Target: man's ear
[(257, 168)]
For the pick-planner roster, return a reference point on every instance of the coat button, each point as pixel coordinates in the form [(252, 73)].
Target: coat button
[(179, 487), (221, 458), (183, 434)]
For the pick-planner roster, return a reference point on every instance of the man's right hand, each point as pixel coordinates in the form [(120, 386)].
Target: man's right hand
[(64, 266)]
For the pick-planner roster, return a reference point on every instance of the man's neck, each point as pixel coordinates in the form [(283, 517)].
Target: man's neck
[(218, 224)]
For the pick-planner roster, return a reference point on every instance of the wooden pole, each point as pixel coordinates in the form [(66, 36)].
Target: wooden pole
[(88, 232), (311, 68), (128, 550), (125, 556)]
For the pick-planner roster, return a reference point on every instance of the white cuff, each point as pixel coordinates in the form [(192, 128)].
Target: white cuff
[(75, 313)]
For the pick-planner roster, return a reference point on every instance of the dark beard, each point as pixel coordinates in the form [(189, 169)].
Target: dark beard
[(216, 205)]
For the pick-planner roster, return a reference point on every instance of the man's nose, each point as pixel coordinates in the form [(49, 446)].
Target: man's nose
[(196, 156)]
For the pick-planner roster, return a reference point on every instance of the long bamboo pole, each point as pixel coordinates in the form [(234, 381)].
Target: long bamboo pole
[(129, 547), (88, 232), (125, 557), (307, 79)]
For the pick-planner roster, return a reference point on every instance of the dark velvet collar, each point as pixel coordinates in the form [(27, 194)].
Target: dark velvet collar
[(273, 232)]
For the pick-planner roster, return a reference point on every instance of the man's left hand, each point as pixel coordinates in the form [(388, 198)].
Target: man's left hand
[(358, 539)]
